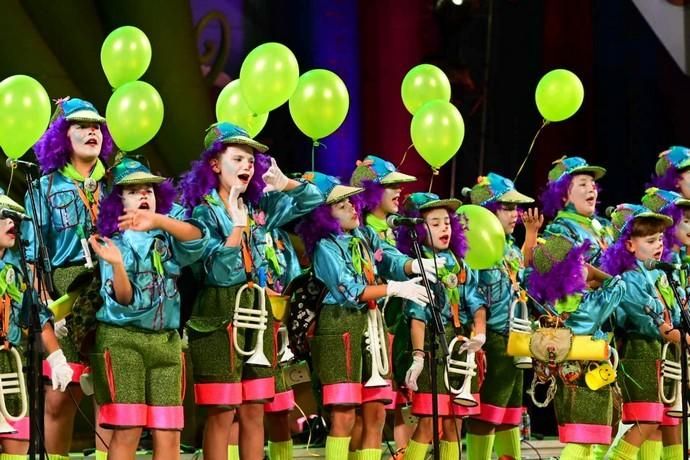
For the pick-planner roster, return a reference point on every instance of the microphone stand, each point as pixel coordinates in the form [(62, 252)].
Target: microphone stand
[(684, 330), (437, 337), (32, 299)]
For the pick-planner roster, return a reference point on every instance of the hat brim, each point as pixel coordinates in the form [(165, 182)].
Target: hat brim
[(242, 140), (397, 177), (340, 192), (682, 203), (595, 171), (85, 116), (513, 196), (140, 178), (8, 203), (450, 203), (650, 214)]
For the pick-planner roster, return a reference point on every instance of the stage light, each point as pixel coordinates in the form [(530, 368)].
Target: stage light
[(457, 2)]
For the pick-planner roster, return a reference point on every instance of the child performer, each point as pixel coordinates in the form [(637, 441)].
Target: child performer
[(347, 259), (463, 311), (382, 184), (137, 363), (501, 395), (559, 281), (14, 318), (673, 171), (243, 198), (645, 318), (71, 155)]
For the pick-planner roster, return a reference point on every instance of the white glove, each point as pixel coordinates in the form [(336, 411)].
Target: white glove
[(429, 266), (274, 178), (60, 372), (409, 290), (61, 330), (474, 344), (237, 209), (413, 372)]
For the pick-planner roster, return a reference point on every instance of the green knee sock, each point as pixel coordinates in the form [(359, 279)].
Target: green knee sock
[(507, 442), (573, 451), (624, 451), (450, 450), (58, 457), (100, 455), (416, 450), (354, 455), (280, 450), (337, 448), (479, 447), (650, 450), (599, 451), (673, 452), (233, 452), (370, 454), (13, 457)]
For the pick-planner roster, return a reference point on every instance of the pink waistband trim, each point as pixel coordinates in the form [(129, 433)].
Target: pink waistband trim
[(258, 389), (421, 405), (642, 412), (583, 433), (383, 394), (116, 414), (218, 394), (667, 420), (77, 368), (402, 397), (22, 426), (283, 401), (165, 417), (342, 393), (498, 415)]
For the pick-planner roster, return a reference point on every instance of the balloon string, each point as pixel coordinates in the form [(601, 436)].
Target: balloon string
[(434, 172), (314, 145), (404, 156), (531, 146)]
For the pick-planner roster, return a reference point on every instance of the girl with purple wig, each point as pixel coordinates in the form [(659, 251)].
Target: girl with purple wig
[(348, 258), (672, 171), (382, 184), (137, 359), (244, 199), (558, 281), (463, 314), (645, 319), (71, 155), (496, 426), (570, 199)]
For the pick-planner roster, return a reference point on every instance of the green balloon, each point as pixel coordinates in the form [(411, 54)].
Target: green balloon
[(486, 238), (231, 107), (269, 76), (125, 55), (24, 114), (559, 95), (134, 114), (424, 83), (320, 103), (437, 131)]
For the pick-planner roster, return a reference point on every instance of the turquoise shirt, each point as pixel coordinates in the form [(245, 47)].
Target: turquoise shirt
[(471, 298), (597, 230), (59, 212), (333, 265), (496, 287), (643, 287), (156, 300), (596, 307), (222, 265)]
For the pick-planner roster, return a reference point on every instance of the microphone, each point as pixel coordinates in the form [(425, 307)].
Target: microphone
[(395, 220), (10, 163), (14, 215), (651, 264)]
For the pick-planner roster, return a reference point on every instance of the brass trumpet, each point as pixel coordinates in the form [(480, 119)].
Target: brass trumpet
[(520, 324), (12, 383), (670, 369), (254, 319), (468, 368), (376, 341)]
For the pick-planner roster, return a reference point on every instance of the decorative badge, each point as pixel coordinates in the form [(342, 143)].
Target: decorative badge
[(450, 280), (160, 247), (90, 185), (10, 276), (570, 372)]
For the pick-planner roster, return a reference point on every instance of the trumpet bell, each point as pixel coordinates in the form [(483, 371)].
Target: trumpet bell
[(376, 381), (522, 362), (466, 399), (676, 411)]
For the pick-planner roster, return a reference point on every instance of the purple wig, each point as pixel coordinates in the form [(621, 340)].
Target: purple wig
[(54, 148), (554, 195), (458, 242), (670, 238), (369, 199), (317, 225), (617, 259), (667, 181), (200, 179), (111, 207), (564, 278)]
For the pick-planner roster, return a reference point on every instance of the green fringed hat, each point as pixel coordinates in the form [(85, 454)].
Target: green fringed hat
[(76, 110), (421, 201), (551, 251), (624, 214), (378, 170), (495, 188), (572, 166), (228, 133), (130, 172), (8, 203)]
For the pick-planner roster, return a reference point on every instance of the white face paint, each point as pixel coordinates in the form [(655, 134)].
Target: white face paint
[(682, 231), (390, 202), (8, 234), (86, 140), (345, 214), (438, 220), (138, 197), (235, 166)]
